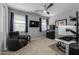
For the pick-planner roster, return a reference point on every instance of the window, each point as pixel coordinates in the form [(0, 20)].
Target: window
[(19, 23), (44, 25)]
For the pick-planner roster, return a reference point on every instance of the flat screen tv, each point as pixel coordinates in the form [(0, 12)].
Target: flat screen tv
[(34, 23)]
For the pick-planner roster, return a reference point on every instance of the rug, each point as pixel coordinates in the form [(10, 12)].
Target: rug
[(54, 47)]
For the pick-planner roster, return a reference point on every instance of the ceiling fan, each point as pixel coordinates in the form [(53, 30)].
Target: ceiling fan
[(45, 10)]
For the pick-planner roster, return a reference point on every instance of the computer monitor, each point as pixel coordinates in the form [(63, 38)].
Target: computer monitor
[(52, 27)]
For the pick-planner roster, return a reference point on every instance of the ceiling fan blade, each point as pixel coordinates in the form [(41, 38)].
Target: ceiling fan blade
[(48, 12), (50, 5), (38, 10)]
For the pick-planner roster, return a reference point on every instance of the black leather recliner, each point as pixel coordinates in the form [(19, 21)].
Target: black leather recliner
[(16, 41)]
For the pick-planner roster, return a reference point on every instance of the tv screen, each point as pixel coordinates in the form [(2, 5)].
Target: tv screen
[(34, 23)]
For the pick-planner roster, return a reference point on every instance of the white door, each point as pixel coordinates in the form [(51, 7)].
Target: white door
[(3, 27)]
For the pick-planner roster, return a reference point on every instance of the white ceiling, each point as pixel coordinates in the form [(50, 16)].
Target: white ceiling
[(57, 8)]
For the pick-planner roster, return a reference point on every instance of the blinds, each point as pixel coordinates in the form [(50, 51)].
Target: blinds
[(19, 23), (44, 25)]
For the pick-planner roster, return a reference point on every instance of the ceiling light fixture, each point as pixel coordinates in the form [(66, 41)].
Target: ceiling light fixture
[(44, 11)]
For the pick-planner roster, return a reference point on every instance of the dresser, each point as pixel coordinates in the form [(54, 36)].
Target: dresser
[(50, 34)]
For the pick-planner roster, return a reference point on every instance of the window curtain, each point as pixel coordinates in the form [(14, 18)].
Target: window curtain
[(47, 22), (11, 21), (40, 25), (26, 18)]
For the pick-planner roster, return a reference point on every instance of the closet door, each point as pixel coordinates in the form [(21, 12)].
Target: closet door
[(3, 27)]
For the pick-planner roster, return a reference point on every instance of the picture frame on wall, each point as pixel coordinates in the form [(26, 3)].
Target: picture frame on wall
[(61, 22)]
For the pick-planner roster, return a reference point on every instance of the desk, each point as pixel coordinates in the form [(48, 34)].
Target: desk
[(67, 44)]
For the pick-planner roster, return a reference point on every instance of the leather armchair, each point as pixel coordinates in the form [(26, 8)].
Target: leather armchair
[(16, 41)]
